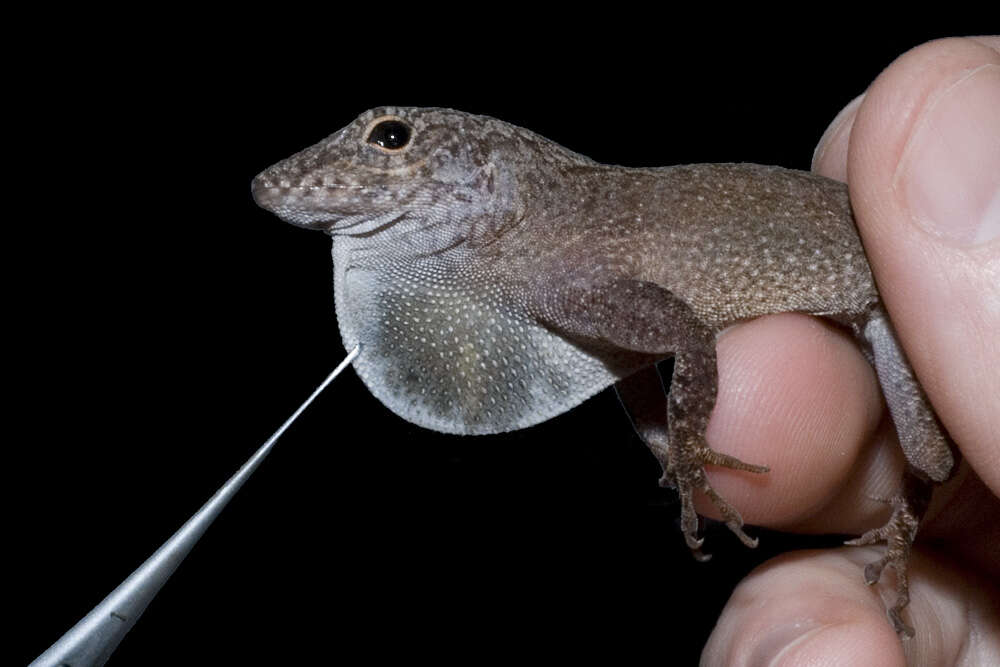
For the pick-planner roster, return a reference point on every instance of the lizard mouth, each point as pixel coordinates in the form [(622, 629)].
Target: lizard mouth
[(363, 224), (294, 205)]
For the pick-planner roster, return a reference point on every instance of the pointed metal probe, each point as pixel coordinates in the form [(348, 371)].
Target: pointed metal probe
[(97, 635)]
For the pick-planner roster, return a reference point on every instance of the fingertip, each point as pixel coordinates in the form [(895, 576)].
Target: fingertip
[(797, 396), (924, 175), (830, 156), (989, 41), (812, 607), (803, 608)]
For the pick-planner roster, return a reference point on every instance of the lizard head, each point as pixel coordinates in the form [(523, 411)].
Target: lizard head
[(395, 163), (426, 207)]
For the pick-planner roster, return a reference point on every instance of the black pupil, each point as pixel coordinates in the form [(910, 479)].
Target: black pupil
[(390, 134)]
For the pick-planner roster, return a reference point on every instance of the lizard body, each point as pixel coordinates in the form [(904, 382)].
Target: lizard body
[(496, 279)]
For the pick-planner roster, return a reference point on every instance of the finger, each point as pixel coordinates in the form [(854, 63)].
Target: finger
[(924, 175), (796, 395), (967, 523), (812, 608)]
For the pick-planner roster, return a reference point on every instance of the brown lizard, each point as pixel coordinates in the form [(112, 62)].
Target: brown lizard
[(496, 279)]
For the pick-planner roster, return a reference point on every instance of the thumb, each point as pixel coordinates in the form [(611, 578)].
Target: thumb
[(923, 169)]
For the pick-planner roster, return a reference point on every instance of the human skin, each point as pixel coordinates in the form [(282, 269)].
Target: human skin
[(920, 151)]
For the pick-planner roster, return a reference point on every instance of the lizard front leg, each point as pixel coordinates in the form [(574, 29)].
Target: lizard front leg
[(673, 427), (641, 317)]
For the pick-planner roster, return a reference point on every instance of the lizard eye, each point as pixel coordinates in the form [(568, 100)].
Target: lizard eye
[(391, 135)]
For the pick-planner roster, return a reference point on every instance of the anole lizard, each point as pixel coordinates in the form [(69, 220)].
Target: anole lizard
[(496, 279)]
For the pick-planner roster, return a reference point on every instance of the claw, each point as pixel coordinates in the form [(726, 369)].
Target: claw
[(903, 629), (874, 536), (694, 543), (731, 516), (666, 483), (873, 571), (690, 475), (701, 557), (712, 457)]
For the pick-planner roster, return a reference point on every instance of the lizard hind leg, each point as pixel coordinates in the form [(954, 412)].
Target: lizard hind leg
[(898, 533), (928, 451)]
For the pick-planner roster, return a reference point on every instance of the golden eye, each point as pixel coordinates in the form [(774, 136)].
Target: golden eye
[(390, 135)]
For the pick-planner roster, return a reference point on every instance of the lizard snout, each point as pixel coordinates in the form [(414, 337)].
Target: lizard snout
[(282, 198), (315, 206), (264, 192)]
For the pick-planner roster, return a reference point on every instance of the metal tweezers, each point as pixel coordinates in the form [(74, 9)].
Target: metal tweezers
[(96, 636)]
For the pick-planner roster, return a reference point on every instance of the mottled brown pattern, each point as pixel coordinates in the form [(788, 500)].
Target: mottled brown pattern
[(496, 279)]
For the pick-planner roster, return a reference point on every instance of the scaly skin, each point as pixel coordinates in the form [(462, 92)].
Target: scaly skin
[(496, 280)]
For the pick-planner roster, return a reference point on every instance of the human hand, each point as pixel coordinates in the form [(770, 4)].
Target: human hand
[(921, 153)]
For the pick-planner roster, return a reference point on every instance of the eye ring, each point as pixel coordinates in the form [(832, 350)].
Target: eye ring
[(389, 134)]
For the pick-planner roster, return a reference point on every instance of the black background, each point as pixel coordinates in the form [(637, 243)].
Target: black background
[(162, 327)]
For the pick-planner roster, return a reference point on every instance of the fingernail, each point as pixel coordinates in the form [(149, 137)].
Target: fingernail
[(777, 642), (950, 169), (830, 645), (830, 156)]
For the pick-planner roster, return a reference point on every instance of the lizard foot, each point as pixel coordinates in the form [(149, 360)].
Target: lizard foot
[(690, 476), (898, 534)]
